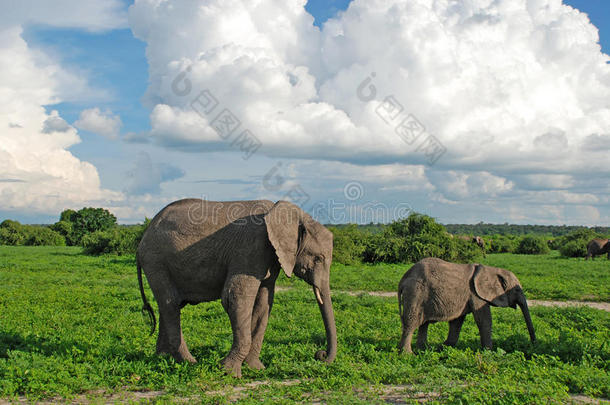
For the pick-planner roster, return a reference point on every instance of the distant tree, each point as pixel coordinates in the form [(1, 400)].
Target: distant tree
[(67, 215), (89, 220), (64, 228), (12, 233)]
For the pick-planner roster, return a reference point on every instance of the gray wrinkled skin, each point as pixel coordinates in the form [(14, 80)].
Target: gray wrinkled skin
[(196, 251), (598, 247), (434, 290)]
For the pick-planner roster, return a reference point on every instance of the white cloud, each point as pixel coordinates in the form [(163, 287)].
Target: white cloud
[(40, 175), (102, 123), (516, 91), (482, 76)]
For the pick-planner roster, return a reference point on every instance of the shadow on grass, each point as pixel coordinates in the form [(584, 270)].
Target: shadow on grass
[(34, 344)]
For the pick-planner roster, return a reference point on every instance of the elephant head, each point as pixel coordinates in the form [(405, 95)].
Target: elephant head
[(501, 288), (305, 247), (479, 241)]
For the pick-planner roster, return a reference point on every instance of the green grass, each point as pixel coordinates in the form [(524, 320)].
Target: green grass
[(71, 324), (544, 277)]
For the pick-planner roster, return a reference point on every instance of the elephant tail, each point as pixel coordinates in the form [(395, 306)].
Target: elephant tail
[(146, 308), (400, 308)]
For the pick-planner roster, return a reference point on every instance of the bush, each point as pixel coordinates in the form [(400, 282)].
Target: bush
[(414, 238), (64, 228), (120, 240), (575, 244), (502, 244), (13, 233), (575, 248), (43, 236), (532, 245), (348, 244)]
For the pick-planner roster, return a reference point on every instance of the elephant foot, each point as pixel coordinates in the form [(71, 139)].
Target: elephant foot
[(179, 356), (232, 367), (254, 363)]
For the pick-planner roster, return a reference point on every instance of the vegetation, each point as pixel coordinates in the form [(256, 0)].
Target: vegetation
[(407, 240), (502, 243), (71, 327), (575, 243), (532, 245), (13, 233), (520, 230), (74, 225), (118, 240)]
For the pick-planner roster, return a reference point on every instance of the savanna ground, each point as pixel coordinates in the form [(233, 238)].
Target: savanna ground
[(71, 329)]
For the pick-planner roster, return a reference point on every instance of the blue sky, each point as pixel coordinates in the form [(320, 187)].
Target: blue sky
[(115, 66)]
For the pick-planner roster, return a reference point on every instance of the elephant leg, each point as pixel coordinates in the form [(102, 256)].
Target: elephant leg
[(455, 326), (410, 322), (260, 317), (422, 336), (238, 297), (170, 339), (482, 317)]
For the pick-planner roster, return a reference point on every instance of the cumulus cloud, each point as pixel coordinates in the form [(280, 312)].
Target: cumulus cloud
[(40, 175), (515, 91), (54, 124), (480, 75), (147, 176), (103, 123)]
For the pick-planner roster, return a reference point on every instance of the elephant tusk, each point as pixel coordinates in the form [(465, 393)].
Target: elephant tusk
[(318, 296)]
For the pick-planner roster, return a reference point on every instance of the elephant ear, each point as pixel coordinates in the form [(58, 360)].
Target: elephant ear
[(285, 231), (490, 285)]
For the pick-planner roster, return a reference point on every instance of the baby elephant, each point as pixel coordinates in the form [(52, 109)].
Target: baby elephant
[(435, 290)]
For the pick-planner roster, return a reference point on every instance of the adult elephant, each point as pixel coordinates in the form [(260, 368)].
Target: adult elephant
[(474, 239), (598, 247), (195, 251)]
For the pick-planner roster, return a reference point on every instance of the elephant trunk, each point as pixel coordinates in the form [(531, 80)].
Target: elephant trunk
[(328, 316), (528, 320)]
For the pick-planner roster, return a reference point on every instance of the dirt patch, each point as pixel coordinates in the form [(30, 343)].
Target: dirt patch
[(232, 393), (402, 394), (581, 399), (604, 306)]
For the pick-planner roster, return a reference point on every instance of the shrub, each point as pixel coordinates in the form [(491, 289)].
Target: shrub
[(12, 233), (120, 240), (384, 248), (64, 228), (414, 238), (532, 245), (348, 244), (575, 248), (15, 234), (575, 243), (502, 244), (43, 236)]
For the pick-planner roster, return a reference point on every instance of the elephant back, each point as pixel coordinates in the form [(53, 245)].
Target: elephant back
[(186, 221)]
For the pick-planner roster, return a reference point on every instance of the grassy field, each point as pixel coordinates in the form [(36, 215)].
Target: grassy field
[(70, 326)]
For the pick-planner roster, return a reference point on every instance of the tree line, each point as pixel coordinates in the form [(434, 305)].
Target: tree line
[(405, 240)]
